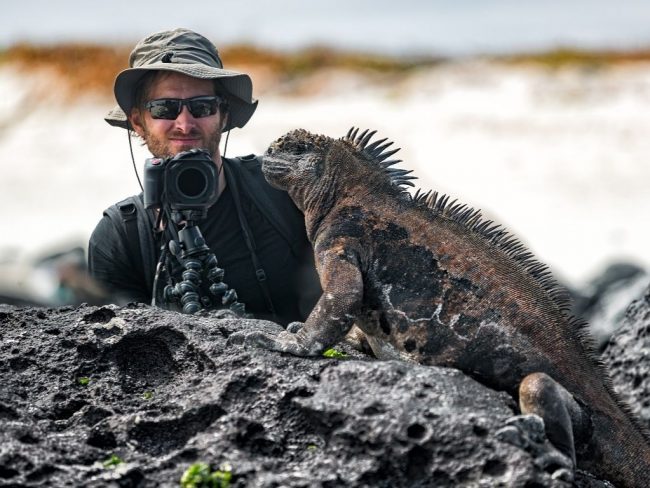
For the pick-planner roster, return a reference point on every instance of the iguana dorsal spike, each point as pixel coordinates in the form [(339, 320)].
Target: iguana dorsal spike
[(367, 138), (387, 154), (399, 172), (374, 146), (387, 164), (402, 182), (420, 197), (358, 140), (352, 133), (383, 147)]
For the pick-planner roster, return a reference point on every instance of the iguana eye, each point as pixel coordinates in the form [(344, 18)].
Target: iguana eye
[(319, 167)]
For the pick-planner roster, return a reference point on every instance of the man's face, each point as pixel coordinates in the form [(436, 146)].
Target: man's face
[(166, 138)]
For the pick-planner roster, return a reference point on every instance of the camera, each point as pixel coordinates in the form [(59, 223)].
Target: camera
[(185, 182)]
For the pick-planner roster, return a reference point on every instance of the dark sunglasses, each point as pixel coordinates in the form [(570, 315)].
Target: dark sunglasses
[(169, 108)]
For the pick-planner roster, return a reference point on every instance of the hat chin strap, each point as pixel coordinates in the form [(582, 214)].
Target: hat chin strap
[(128, 135), (225, 144)]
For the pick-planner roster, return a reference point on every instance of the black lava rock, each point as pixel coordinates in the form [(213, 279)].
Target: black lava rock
[(133, 396), (603, 301), (628, 356)]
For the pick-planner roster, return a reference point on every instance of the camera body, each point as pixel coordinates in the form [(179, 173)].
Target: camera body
[(185, 182)]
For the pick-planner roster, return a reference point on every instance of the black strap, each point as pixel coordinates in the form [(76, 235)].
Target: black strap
[(129, 216), (137, 224), (250, 243)]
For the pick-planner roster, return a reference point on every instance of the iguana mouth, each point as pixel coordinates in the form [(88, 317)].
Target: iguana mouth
[(274, 169)]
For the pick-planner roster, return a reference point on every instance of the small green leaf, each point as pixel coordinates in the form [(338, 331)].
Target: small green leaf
[(311, 447), (198, 475), (333, 353), (223, 476), (112, 461), (83, 381), (147, 395)]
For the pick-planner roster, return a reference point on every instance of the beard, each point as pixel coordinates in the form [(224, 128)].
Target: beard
[(161, 147)]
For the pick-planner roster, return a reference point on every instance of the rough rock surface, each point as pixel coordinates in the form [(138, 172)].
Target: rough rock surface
[(162, 391), (603, 301), (628, 356)]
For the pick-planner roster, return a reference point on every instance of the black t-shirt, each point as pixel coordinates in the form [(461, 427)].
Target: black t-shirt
[(223, 234)]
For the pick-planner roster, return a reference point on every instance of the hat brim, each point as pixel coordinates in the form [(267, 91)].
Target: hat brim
[(237, 87)]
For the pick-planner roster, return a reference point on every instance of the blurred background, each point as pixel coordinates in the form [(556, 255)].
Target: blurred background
[(536, 112)]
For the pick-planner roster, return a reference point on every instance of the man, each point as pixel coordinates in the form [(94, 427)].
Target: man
[(176, 96)]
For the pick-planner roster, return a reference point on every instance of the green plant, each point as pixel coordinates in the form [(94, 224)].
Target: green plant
[(83, 381), (333, 353), (199, 475), (147, 395), (112, 461)]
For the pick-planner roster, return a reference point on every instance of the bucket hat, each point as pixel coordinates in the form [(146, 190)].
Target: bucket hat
[(182, 51)]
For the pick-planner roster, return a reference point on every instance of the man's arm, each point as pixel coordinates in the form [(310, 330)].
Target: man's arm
[(110, 264)]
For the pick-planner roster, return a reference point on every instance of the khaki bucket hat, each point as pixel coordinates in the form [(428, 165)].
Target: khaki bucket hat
[(189, 53)]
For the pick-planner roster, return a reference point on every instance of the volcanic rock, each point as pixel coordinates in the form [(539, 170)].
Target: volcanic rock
[(133, 396), (628, 356), (603, 301)]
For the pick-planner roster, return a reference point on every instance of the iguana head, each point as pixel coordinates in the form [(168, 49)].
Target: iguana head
[(296, 160), (316, 169)]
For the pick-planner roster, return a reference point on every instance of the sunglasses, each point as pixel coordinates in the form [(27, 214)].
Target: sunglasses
[(169, 108)]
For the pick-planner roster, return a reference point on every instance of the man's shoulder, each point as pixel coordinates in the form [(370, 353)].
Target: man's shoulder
[(125, 209), (250, 159), (251, 162), (117, 215), (131, 201), (248, 171)]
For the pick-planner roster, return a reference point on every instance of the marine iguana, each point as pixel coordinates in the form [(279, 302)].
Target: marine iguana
[(431, 281)]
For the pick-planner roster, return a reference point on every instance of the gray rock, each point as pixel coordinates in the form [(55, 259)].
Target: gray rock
[(162, 391), (628, 356), (603, 301)]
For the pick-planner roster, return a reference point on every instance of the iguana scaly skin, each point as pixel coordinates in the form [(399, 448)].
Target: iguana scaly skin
[(431, 282)]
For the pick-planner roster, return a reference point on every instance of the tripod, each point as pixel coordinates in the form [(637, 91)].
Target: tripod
[(202, 283)]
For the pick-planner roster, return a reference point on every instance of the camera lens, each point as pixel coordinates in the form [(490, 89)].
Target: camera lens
[(191, 182)]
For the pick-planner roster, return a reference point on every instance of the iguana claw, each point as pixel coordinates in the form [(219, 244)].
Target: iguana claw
[(283, 342), (294, 327)]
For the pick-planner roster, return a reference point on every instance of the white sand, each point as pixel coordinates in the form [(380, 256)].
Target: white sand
[(561, 159)]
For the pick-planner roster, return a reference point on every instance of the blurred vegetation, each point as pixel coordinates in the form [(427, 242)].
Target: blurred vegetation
[(84, 68), (568, 57), (309, 60), (91, 69)]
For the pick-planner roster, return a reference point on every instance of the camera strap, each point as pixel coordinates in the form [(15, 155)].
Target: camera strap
[(250, 243)]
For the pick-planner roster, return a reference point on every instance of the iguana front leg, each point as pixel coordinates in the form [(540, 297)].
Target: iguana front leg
[(332, 316)]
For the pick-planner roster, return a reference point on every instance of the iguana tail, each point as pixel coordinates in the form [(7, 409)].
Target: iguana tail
[(618, 450)]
